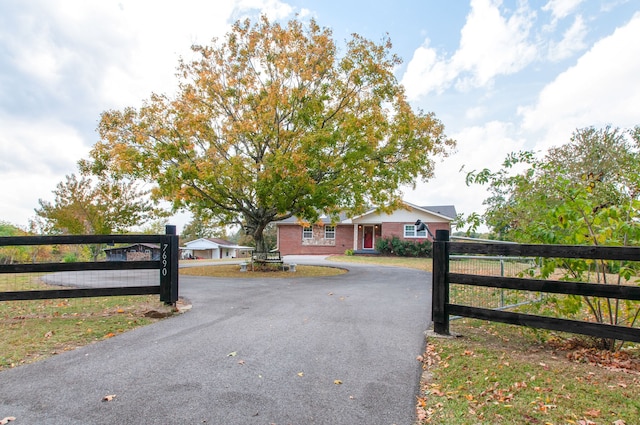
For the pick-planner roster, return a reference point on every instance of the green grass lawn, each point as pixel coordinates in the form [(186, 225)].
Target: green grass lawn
[(34, 330), (414, 263), (270, 272)]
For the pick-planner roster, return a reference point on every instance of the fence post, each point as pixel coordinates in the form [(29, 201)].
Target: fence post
[(169, 266), (440, 313)]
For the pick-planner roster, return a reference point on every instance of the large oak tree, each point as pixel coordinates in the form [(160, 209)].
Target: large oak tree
[(272, 122)]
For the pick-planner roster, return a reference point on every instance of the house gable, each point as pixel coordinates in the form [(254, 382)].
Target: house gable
[(408, 215)]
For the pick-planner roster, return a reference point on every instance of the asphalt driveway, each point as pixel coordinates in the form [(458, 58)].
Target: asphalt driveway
[(329, 350)]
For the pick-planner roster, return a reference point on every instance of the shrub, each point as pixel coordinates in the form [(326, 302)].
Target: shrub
[(403, 248), (71, 257)]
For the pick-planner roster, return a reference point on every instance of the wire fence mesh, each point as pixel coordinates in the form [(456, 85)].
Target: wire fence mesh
[(491, 298), (62, 280)]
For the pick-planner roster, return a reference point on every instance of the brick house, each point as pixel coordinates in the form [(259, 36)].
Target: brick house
[(360, 233)]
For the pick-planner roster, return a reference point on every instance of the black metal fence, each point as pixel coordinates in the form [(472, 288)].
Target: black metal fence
[(442, 278), (167, 266)]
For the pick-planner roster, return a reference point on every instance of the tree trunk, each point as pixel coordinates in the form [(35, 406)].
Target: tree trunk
[(261, 245), (256, 230)]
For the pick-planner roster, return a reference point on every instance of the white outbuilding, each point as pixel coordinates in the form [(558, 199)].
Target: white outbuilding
[(213, 249)]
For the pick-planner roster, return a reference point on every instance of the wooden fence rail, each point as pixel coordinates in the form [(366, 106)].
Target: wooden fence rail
[(167, 266), (442, 278)]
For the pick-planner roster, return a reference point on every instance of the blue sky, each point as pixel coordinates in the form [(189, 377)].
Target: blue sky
[(502, 75)]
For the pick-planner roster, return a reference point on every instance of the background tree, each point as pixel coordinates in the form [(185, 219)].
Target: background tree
[(106, 207), (271, 123), (584, 192), (155, 227), (270, 236), (544, 200), (13, 254), (200, 227)]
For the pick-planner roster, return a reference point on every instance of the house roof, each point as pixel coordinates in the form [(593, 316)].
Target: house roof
[(220, 241), (211, 243), (443, 210), (148, 245), (447, 212), (342, 218)]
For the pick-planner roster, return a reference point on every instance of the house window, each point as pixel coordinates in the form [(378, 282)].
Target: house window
[(329, 232), (307, 233), (410, 232)]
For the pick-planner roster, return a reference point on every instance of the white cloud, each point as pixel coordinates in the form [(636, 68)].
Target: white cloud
[(34, 156), (572, 41), (273, 9), (66, 61), (478, 147), (475, 113), (38, 145), (491, 45), (561, 8), (426, 72), (602, 88)]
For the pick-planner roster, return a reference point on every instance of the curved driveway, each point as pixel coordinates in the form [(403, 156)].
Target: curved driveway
[(329, 350)]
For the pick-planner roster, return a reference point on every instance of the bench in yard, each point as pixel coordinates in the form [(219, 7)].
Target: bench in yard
[(271, 257)]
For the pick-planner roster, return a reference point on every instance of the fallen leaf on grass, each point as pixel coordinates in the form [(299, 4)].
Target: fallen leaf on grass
[(109, 397), (619, 422), (437, 392), (6, 420), (48, 334), (594, 413)]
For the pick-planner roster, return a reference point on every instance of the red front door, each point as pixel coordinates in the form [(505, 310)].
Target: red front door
[(368, 237)]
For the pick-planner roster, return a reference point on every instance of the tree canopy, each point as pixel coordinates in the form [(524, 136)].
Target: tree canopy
[(272, 122), (574, 195)]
